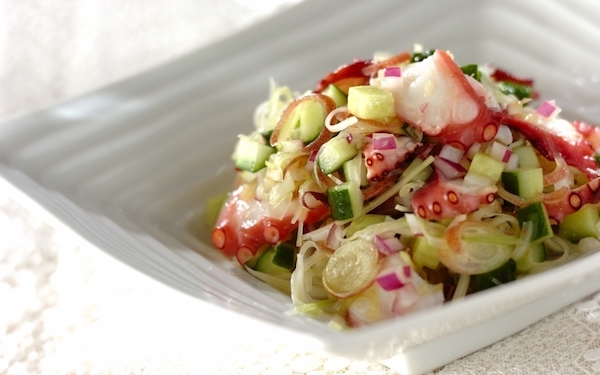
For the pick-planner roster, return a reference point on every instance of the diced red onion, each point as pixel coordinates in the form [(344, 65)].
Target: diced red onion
[(384, 141), (313, 156), (513, 162), (407, 271), (392, 71), (547, 109), (504, 135), (449, 169), (387, 246), (451, 153), (500, 152), (389, 281), (349, 138)]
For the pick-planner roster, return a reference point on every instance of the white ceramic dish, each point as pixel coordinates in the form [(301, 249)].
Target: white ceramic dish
[(129, 166)]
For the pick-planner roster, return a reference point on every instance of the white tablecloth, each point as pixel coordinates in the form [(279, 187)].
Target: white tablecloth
[(68, 308)]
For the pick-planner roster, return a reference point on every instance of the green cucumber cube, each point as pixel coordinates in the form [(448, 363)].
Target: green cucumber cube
[(424, 255), (579, 224), (501, 275), (524, 182), (345, 200), (336, 94), (304, 123), (527, 157), (265, 264), (486, 166), (285, 256), (371, 102), (334, 153), (536, 214), (356, 170), (534, 255), (251, 155)]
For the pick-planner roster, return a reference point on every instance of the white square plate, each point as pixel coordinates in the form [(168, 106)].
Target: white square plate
[(129, 166)]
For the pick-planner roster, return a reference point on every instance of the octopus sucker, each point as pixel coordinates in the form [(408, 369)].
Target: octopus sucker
[(218, 238), (575, 200), (452, 197)]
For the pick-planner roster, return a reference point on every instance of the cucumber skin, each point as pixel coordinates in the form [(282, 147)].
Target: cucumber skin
[(265, 264), (580, 224), (334, 153), (524, 182), (537, 214), (251, 155), (343, 200)]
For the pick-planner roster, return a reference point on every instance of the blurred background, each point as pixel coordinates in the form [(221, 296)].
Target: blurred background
[(68, 308)]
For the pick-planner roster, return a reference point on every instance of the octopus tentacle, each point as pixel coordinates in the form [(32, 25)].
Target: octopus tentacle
[(441, 199), (574, 200), (575, 149)]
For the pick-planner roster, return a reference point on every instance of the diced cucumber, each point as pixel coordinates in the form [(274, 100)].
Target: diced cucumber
[(371, 102), (304, 123), (579, 224), (251, 155), (356, 170), (345, 200), (334, 153), (486, 166), (501, 275), (534, 255), (527, 157), (362, 222), (265, 264), (285, 256), (424, 255), (524, 182), (538, 216), (336, 94)]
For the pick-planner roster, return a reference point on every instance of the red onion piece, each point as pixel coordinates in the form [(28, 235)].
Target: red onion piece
[(407, 271), (389, 281), (387, 246), (547, 109), (313, 155), (500, 152), (392, 71), (504, 135), (449, 169), (451, 153), (384, 141)]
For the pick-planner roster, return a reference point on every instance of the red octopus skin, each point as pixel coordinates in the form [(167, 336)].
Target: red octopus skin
[(346, 76), (439, 199), (481, 129), (573, 201), (380, 163), (242, 227), (577, 153)]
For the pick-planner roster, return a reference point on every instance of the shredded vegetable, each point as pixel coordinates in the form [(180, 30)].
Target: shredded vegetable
[(404, 182)]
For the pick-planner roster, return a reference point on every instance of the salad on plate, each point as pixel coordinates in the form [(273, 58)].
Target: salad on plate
[(405, 181)]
